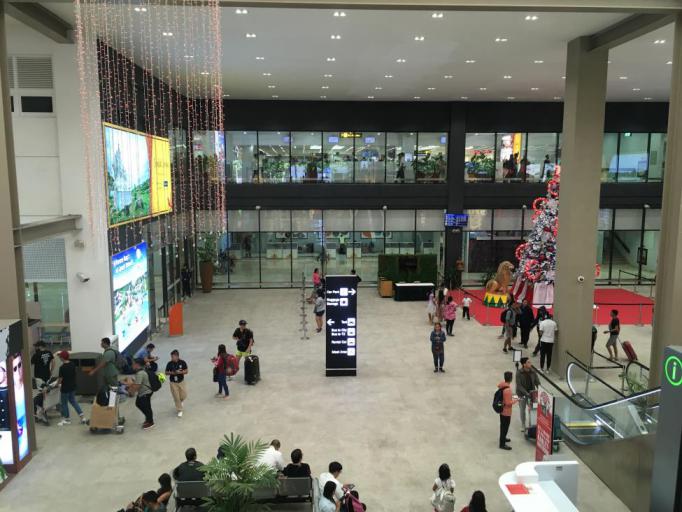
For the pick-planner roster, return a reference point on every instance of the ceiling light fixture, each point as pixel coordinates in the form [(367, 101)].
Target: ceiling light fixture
[(507, 77), (511, 97), (336, 37), (271, 86), (557, 97), (260, 58), (250, 36), (482, 88), (430, 88), (370, 97), (622, 78), (464, 97), (331, 59), (401, 61), (636, 89), (226, 95), (538, 62), (378, 88), (648, 98), (189, 57), (267, 74), (669, 63), (241, 11), (534, 88), (328, 75), (447, 77), (325, 87), (388, 76), (323, 97), (140, 9), (470, 61), (501, 39), (531, 17), (417, 97), (563, 78), (659, 41), (167, 34), (437, 15), (275, 96), (339, 14), (419, 38), (205, 73)]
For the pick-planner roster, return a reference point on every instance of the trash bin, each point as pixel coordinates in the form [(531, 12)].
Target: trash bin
[(85, 361)]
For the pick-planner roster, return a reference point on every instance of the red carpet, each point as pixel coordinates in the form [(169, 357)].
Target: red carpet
[(629, 305)]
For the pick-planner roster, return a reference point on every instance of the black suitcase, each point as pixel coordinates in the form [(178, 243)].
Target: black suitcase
[(251, 369)]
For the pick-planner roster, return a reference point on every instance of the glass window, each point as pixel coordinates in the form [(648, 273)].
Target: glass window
[(338, 244), (609, 157), (432, 158), (650, 254), (479, 220), (243, 257), (370, 160), (540, 157), (369, 220), (275, 220), (338, 220), (306, 157), (306, 220), (625, 248), (505, 243), (633, 157), (273, 149), (604, 243), (275, 257), (430, 242), (430, 220), (652, 219), (479, 157), (242, 220), (401, 149), (628, 219), (242, 156), (528, 218), (338, 157), (400, 220), (366, 247), (657, 148), (478, 254), (307, 254), (399, 242), (605, 220), (510, 147), (506, 220)]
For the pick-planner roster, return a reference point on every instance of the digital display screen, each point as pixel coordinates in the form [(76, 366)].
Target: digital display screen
[(333, 140), (443, 139), (131, 293), (456, 220), (6, 450), (370, 140), (341, 325), (138, 168), (20, 405)]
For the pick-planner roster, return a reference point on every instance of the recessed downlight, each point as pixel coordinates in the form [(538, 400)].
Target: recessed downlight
[(401, 61), (669, 63), (388, 76), (241, 11), (275, 96), (325, 87), (205, 73), (482, 88), (507, 77), (511, 97), (464, 97), (538, 61), (501, 39), (659, 41), (328, 75), (636, 89), (447, 77), (370, 97), (331, 59), (622, 78), (323, 97), (339, 14), (250, 35), (648, 98), (140, 9), (267, 74), (534, 88), (557, 97), (470, 61), (417, 97), (271, 86), (336, 37), (419, 38), (167, 34), (531, 17), (437, 15), (260, 58), (378, 88), (430, 88)]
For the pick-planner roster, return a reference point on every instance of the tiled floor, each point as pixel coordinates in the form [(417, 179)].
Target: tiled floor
[(390, 427)]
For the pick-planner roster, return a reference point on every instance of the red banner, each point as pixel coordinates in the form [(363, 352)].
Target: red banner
[(545, 424)]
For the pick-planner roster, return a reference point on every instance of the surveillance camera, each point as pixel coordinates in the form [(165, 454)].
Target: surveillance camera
[(82, 277), (581, 279)]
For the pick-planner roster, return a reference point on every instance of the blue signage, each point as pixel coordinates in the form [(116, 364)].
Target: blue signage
[(456, 220), (370, 140)]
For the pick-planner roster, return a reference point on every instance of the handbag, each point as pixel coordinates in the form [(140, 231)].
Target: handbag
[(215, 374)]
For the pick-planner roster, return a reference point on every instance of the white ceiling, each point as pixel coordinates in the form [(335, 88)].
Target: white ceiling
[(297, 42)]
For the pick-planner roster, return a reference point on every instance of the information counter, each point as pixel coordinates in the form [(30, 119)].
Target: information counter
[(546, 486), (412, 291)]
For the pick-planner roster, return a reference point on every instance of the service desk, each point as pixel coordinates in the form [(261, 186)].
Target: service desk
[(412, 291), (547, 486)]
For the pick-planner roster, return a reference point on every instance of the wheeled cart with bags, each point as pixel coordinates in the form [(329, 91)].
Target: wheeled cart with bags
[(106, 418), (531, 427)]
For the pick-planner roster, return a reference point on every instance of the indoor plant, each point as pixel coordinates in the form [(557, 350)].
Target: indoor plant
[(234, 476), (208, 252)]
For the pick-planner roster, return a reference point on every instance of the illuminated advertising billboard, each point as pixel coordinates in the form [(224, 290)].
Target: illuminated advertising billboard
[(131, 293)]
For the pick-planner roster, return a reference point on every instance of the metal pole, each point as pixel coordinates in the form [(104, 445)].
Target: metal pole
[(640, 315)]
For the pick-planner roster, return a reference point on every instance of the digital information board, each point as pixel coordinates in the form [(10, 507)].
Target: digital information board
[(342, 325), (456, 220)]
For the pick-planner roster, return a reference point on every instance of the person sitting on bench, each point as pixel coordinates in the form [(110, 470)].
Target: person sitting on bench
[(297, 469)]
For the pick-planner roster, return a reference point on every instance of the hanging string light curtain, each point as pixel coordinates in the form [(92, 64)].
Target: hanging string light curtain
[(155, 68)]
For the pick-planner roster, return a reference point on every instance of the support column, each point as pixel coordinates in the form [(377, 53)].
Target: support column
[(666, 329), (12, 300), (583, 129), (455, 184)]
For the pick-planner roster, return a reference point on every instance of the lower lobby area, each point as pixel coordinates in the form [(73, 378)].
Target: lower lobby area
[(390, 427)]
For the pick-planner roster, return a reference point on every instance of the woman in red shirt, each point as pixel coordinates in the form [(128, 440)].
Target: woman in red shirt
[(450, 313)]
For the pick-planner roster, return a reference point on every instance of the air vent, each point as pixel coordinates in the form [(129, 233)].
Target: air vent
[(34, 72), (10, 72)]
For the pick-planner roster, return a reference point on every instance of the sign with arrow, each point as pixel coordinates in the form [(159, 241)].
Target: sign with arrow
[(342, 325)]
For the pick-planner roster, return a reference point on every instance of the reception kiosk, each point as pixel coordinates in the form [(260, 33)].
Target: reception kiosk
[(547, 486)]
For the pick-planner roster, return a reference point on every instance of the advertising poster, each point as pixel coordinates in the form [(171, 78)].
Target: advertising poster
[(6, 450), (162, 190), (545, 428), (20, 405), (131, 294), (128, 174)]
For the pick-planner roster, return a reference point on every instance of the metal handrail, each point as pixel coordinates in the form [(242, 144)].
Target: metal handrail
[(639, 278), (586, 369)]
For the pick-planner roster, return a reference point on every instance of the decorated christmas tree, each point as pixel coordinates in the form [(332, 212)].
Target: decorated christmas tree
[(537, 255)]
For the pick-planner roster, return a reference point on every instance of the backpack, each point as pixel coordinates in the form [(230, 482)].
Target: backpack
[(120, 361), (154, 381), (443, 500), (231, 365), (498, 400), (503, 316), (353, 504)]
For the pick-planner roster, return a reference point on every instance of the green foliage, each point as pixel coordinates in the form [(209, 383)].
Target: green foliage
[(481, 165), (138, 207), (3, 473), (426, 270), (233, 478), (208, 250)]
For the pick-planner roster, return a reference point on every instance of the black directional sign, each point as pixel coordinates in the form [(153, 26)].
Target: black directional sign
[(342, 325)]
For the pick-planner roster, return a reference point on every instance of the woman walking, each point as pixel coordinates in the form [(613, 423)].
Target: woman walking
[(431, 306), (320, 306), (450, 313), (443, 490), (438, 347), (220, 372)]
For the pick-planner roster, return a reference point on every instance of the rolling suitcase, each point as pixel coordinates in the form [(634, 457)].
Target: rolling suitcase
[(251, 369), (629, 351)]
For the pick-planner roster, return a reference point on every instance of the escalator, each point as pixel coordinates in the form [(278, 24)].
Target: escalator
[(612, 433)]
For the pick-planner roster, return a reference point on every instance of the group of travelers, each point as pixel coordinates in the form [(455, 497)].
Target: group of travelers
[(441, 306), (519, 316), (317, 297)]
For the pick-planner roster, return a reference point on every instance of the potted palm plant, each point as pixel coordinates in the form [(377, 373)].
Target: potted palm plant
[(208, 253), (233, 478)]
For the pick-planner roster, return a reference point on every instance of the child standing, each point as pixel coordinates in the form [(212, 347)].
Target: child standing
[(67, 382)]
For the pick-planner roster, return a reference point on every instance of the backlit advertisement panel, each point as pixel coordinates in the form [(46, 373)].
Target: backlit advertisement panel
[(131, 293)]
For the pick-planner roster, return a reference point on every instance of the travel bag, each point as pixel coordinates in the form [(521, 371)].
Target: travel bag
[(251, 369), (629, 351)]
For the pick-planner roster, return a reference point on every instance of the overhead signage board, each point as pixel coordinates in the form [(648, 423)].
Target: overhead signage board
[(342, 325), (456, 220)]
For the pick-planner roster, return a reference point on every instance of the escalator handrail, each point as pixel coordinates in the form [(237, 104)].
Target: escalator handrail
[(598, 407), (588, 372), (636, 363)]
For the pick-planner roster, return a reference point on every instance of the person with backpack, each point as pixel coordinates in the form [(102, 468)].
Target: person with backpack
[(502, 405), (220, 362), (142, 387), (244, 339), (443, 498), (176, 369), (108, 364), (509, 324)]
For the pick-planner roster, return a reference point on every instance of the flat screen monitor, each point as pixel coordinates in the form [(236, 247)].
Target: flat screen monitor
[(131, 293)]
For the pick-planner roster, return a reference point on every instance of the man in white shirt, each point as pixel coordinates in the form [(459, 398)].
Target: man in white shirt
[(466, 302), (335, 469), (548, 329), (273, 457)]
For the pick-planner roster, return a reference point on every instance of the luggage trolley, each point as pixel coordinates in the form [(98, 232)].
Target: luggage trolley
[(531, 426), (106, 418)]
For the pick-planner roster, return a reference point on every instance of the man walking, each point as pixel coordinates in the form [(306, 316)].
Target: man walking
[(613, 332), (244, 339), (176, 369), (466, 304), (42, 361), (526, 319), (509, 323), (107, 364), (548, 329), (505, 416), (527, 382), (143, 389), (67, 383)]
